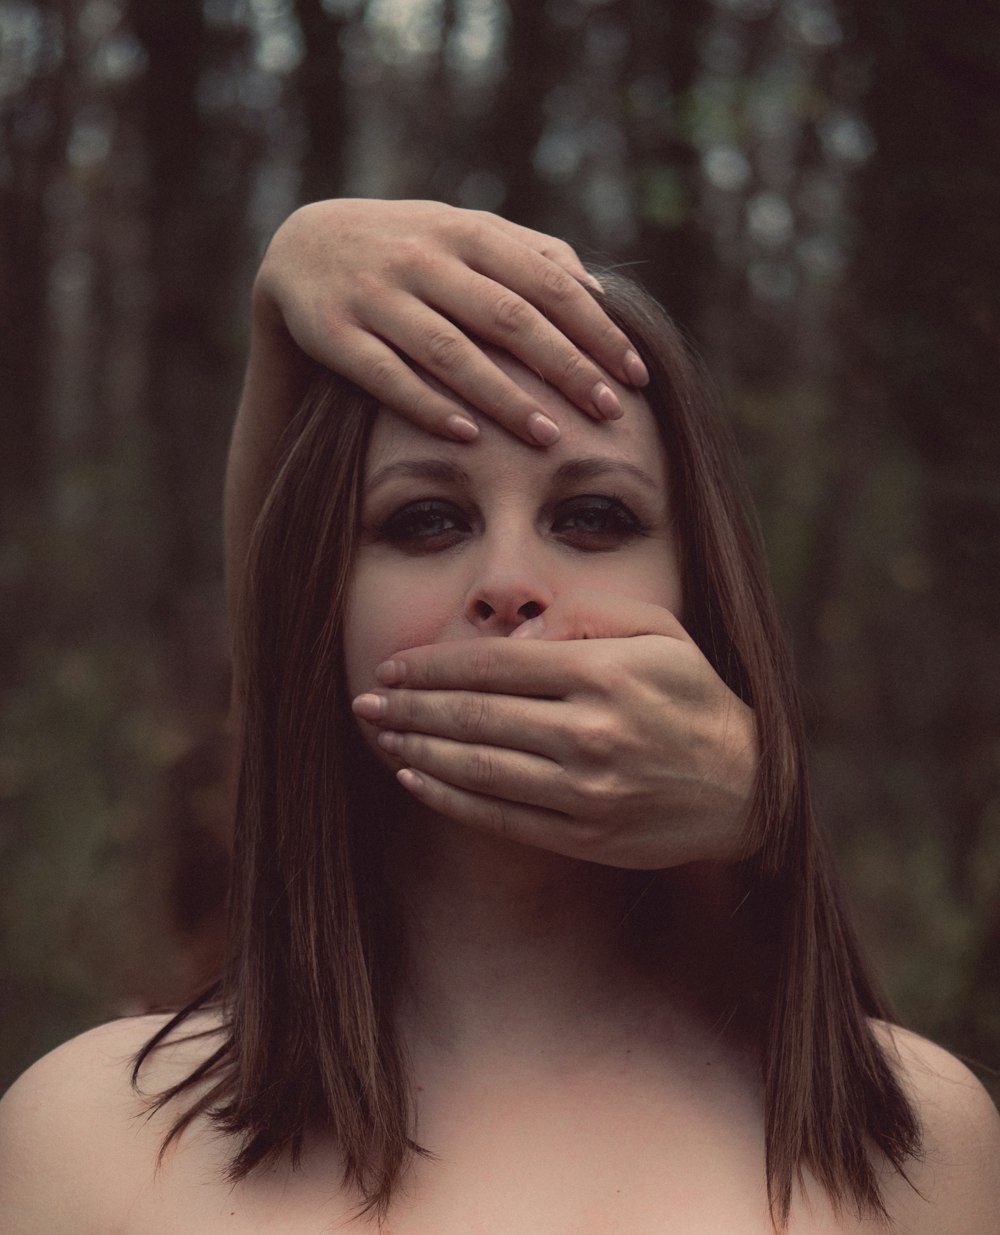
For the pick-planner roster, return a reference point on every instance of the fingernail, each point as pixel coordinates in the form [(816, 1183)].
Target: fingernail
[(391, 672), (461, 428), (410, 780), (543, 430), (528, 630), (606, 401), (635, 370), (389, 740), (368, 706), (591, 282)]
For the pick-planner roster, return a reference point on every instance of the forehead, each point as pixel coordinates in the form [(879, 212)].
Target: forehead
[(634, 439)]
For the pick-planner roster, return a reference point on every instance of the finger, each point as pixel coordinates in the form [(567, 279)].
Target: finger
[(539, 726), (546, 272), (551, 247), (534, 296), (494, 665), (515, 776), (513, 821), (375, 367), (506, 318), (450, 357), (558, 832), (561, 298), (589, 614)]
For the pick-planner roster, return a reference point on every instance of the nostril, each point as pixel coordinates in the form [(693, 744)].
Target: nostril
[(529, 610), (484, 610)]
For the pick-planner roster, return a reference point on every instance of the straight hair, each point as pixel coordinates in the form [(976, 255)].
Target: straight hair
[(308, 1040)]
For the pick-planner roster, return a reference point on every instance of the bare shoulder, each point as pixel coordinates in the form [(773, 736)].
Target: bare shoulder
[(73, 1131), (956, 1180)]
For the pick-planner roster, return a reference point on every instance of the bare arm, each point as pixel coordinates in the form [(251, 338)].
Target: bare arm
[(956, 1180), (74, 1149)]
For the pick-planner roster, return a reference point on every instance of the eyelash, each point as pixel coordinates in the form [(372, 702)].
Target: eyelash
[(408, 528), (620, 522), (403, 526)]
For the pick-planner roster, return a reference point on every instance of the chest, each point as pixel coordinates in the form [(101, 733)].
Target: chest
[(580, 1155)]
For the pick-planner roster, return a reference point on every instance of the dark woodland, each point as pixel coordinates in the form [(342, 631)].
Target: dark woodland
[(811, 186)]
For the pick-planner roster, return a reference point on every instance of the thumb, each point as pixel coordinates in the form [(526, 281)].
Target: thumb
[(586, 614)]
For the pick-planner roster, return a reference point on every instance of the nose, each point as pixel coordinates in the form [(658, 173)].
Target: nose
[(507, 592)]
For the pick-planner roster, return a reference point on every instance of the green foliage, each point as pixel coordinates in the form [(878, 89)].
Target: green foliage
[(663, 198)]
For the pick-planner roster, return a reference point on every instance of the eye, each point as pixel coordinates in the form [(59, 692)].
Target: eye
[(424, 527), (596, 522)]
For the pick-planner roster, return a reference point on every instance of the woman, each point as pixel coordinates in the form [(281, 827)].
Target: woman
[(467, 1030)]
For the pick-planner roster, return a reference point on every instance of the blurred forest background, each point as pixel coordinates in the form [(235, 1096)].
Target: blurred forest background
[(813, 187)]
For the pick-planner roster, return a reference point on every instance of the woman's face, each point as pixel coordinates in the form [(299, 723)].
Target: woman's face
[(464, 541)]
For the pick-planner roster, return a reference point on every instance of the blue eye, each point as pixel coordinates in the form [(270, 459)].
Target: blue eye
[(596, 522), (424, 526)]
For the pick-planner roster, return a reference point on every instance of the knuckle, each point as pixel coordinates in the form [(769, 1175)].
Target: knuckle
[(465, 225), (596, 741), (407, 255), (482, 662), (444, 350), (401, 708), (589, 839), (483, 770), (508, 405), (382, 373), (495, 818), (510, 314), (574, 367), (558, 287), (602, 793), (609, 672), (421, 408), (369, 286), (471, 715), (610, 339), (558, 250)]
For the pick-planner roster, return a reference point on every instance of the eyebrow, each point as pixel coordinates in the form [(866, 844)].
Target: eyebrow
[(593, 467), (439, 470), (443, 471)]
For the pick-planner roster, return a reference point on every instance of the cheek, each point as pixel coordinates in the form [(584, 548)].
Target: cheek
[(651, 574), (384, 617), (667, 585)]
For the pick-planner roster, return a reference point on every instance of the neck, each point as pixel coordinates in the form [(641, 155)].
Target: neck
[(513, 947)]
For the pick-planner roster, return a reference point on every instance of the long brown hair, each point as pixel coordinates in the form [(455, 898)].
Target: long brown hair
[(308, 1036)]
